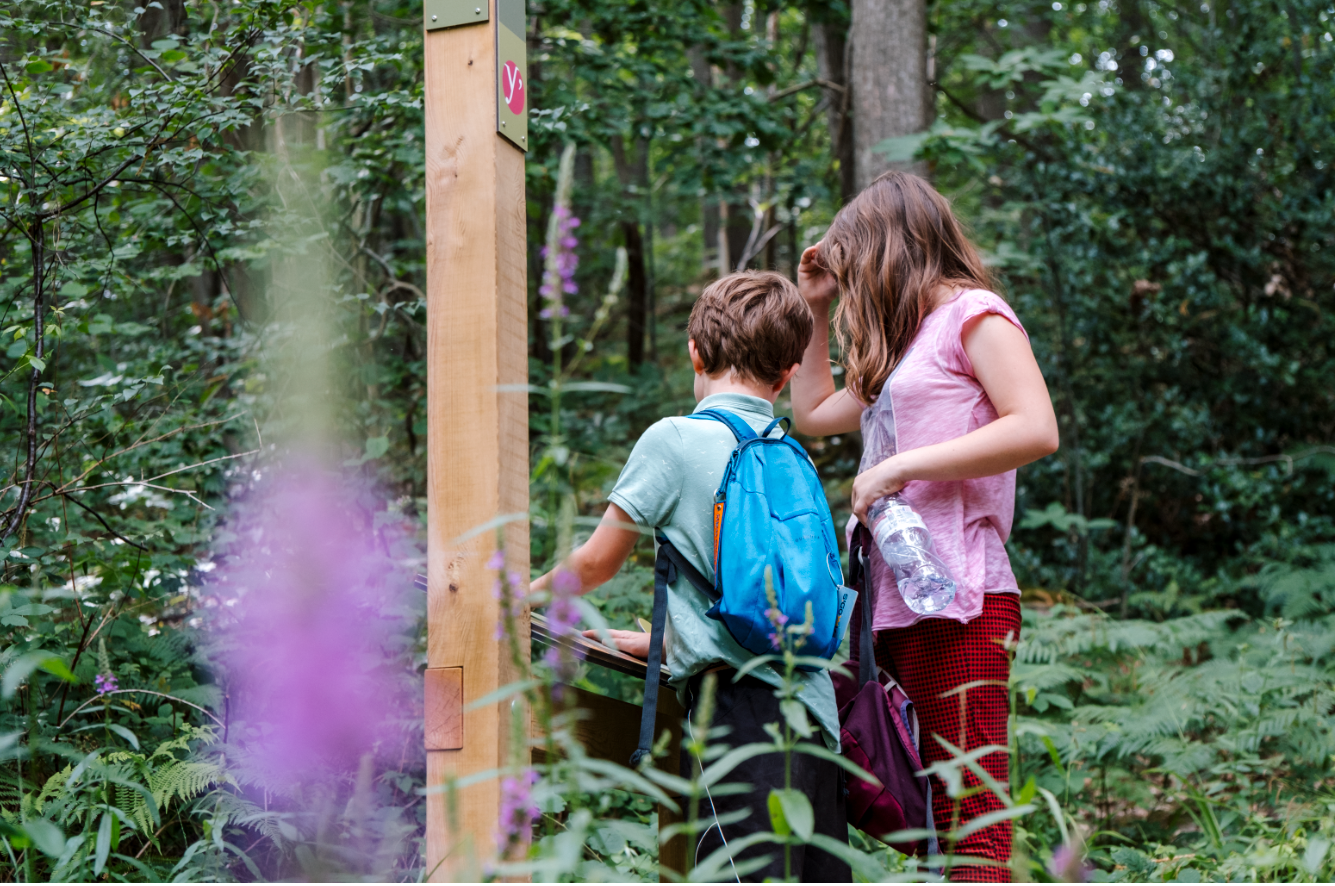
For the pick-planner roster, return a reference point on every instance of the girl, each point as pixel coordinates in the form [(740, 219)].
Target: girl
[(950, 401)]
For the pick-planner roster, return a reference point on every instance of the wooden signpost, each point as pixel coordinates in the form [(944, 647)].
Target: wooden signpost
[(477, 440)]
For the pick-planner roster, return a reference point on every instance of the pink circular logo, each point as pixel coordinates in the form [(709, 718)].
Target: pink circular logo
[(513, 87)]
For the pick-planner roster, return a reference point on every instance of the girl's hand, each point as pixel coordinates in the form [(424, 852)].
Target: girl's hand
[(632, 643), (814, 279), (876, 483)]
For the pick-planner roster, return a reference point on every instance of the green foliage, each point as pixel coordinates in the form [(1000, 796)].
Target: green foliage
[(1151, 182)]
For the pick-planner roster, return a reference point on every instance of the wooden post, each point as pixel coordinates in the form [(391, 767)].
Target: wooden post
[(477, 438), (477, 435)]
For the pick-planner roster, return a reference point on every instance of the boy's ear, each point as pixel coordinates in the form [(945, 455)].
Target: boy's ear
[(696, 363), (786, 377)]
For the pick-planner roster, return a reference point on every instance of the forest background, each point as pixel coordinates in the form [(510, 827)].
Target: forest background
[(212, 221)]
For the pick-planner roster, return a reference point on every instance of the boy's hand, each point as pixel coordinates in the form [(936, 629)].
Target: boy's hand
[(814, 279), (632, 643)]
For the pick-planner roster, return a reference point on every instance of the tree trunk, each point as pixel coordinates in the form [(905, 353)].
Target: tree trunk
[(703, 74), (832, 66), (635, 292), (633, 172), (888, 75), (737, 216), (160, 19)]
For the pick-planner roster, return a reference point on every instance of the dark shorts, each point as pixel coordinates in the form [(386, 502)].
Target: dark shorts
[(746, 706)]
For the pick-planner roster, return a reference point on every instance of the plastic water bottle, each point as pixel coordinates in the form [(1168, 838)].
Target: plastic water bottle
[(903, 540)]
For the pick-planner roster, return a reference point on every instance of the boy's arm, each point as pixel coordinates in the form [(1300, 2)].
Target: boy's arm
[(599, 558), (595, 562)]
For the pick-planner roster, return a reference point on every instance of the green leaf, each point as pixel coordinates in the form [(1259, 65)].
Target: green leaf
[(732, 759), (1054, 755), (1055, 808), (974, 825), (778, 822), (790, 812), (7, 741), (37, 363), (795, 713), (900, 149), (1317, 847), (607, 387), (125, 734), (22, 667), (376, 447), (1027, 792), (40, 66), (103, 847), (864, 864), (824, 753), (45, 835)]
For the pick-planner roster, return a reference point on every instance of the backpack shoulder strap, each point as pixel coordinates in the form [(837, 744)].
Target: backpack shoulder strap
[(740, 429), (860, 575), (781, 420), (667, 565)]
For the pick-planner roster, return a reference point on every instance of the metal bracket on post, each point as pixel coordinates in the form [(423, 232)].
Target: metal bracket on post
[(453, 13), (512, 72)]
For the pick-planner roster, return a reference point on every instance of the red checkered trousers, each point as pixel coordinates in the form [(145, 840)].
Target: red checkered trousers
[(932, 658)]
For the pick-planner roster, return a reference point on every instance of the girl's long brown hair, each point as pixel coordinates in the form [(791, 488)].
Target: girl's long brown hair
[(889, 249)]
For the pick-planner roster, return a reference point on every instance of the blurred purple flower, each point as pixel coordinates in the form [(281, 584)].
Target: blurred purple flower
[(1068, 866), (517, 808), (105, 683), (562, 619), (558, 277), (309, 651), (512, 603)]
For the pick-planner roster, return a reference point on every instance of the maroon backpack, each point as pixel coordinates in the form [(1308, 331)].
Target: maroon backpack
[(879, 732)]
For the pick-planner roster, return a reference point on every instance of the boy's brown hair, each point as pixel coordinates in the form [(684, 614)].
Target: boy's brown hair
[(752, 322)]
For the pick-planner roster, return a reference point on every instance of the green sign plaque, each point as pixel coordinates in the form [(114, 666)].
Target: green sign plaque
[(453, 13), (512, 72)]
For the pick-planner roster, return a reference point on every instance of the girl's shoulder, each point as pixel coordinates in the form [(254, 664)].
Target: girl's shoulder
[(971, 303)]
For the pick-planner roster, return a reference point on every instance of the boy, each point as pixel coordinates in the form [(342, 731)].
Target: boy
[(747, 335)]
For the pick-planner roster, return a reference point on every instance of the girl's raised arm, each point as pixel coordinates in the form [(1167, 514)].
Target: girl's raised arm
[(819, 409)]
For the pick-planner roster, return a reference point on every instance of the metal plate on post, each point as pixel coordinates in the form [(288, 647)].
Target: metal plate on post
[(453, 13), (512, 71)]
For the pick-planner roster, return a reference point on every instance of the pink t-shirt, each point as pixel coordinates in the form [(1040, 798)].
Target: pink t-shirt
[(931, 397)]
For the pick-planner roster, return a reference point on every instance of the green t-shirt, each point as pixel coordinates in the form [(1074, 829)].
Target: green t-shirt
[(668, 484)]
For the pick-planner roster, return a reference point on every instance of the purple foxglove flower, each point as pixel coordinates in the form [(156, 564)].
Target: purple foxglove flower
[(306, 629), (1068, 866), (518, 811)]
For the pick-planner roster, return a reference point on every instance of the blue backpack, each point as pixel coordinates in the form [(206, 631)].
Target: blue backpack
[(769, 513)]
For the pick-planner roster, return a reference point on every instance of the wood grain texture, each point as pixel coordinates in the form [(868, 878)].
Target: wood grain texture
[(444, 728), (477, 438)]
